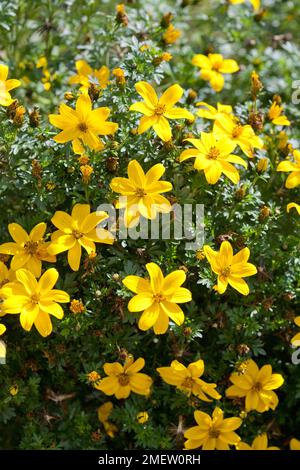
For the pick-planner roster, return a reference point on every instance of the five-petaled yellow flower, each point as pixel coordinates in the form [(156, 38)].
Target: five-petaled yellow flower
[(207, 111), (158, 298), (212, 433), (35, 300), (254, 3), (157, 111), (78, 230), (214, 157), (243, 136), (230, 268), (293, 179), (141, 193), (259, 443), (256, 385), (82, 125), (87, 76), (296, 339), (187, 379), (6, 86), (213, 66), (294, 444), (275, 115), (293, 205), (28, 250), (122, 380)]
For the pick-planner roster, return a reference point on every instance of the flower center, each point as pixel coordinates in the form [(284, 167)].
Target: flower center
[(158, 298), (214, 433), (82, 127), (225, 272), (123, 380), (35, 298), (76, 234), (213, 153), (237, 131), (257, 387), (140, 192), (188, 382), (31, 247), (160, 109)]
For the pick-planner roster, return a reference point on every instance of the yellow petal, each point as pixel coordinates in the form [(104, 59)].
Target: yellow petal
[(147, 93)]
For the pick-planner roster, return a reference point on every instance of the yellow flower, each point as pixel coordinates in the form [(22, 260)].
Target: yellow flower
[(14, 390), (294, 444), (259, 443), (122, 380), (104, 412), (254, 3), (28, 250), (293, 179), (188, 379), (209, 112), (166, 56), (142, 417), (158, 298), (6, 86), (256, 385), (141, 193), (35, 300), (171, 34), (296, 339), (86, 171), (212, 433), (93, 377), (274, 114), (120, 76), (76, 231), (213, 66), (230, 268), (82, 125), (243, 136), (42, 63), (77, 306), (293, 205), (87, 76), (214, 157), (157, 111)]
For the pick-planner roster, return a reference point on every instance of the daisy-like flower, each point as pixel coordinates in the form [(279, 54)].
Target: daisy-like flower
[(78, 230), (35, 300), (187, 379), (254, 3), (141, 193), (87, 76), (122, 380), (158, 298), (293, 205), (28, 250), (293, 179), (157, 111), (275, 115), (6, 86), (230, 268), (294, 444), (213, 67), (296, 339), (256, 385), (259, 443), (82, 125), (243, 136), (214, 157), (212, 432), (207, 111)]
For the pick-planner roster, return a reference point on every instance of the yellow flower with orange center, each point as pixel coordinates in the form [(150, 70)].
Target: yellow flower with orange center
[(230, 268), (6, 86), (212, 432), (87, 76), (213, 67), (122, 380), (187, 379), (256, 385), (171, 34), (158, 298), (157, 111)]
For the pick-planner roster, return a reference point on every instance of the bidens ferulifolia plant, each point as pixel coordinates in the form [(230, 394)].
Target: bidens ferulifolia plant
[(116, 331)]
